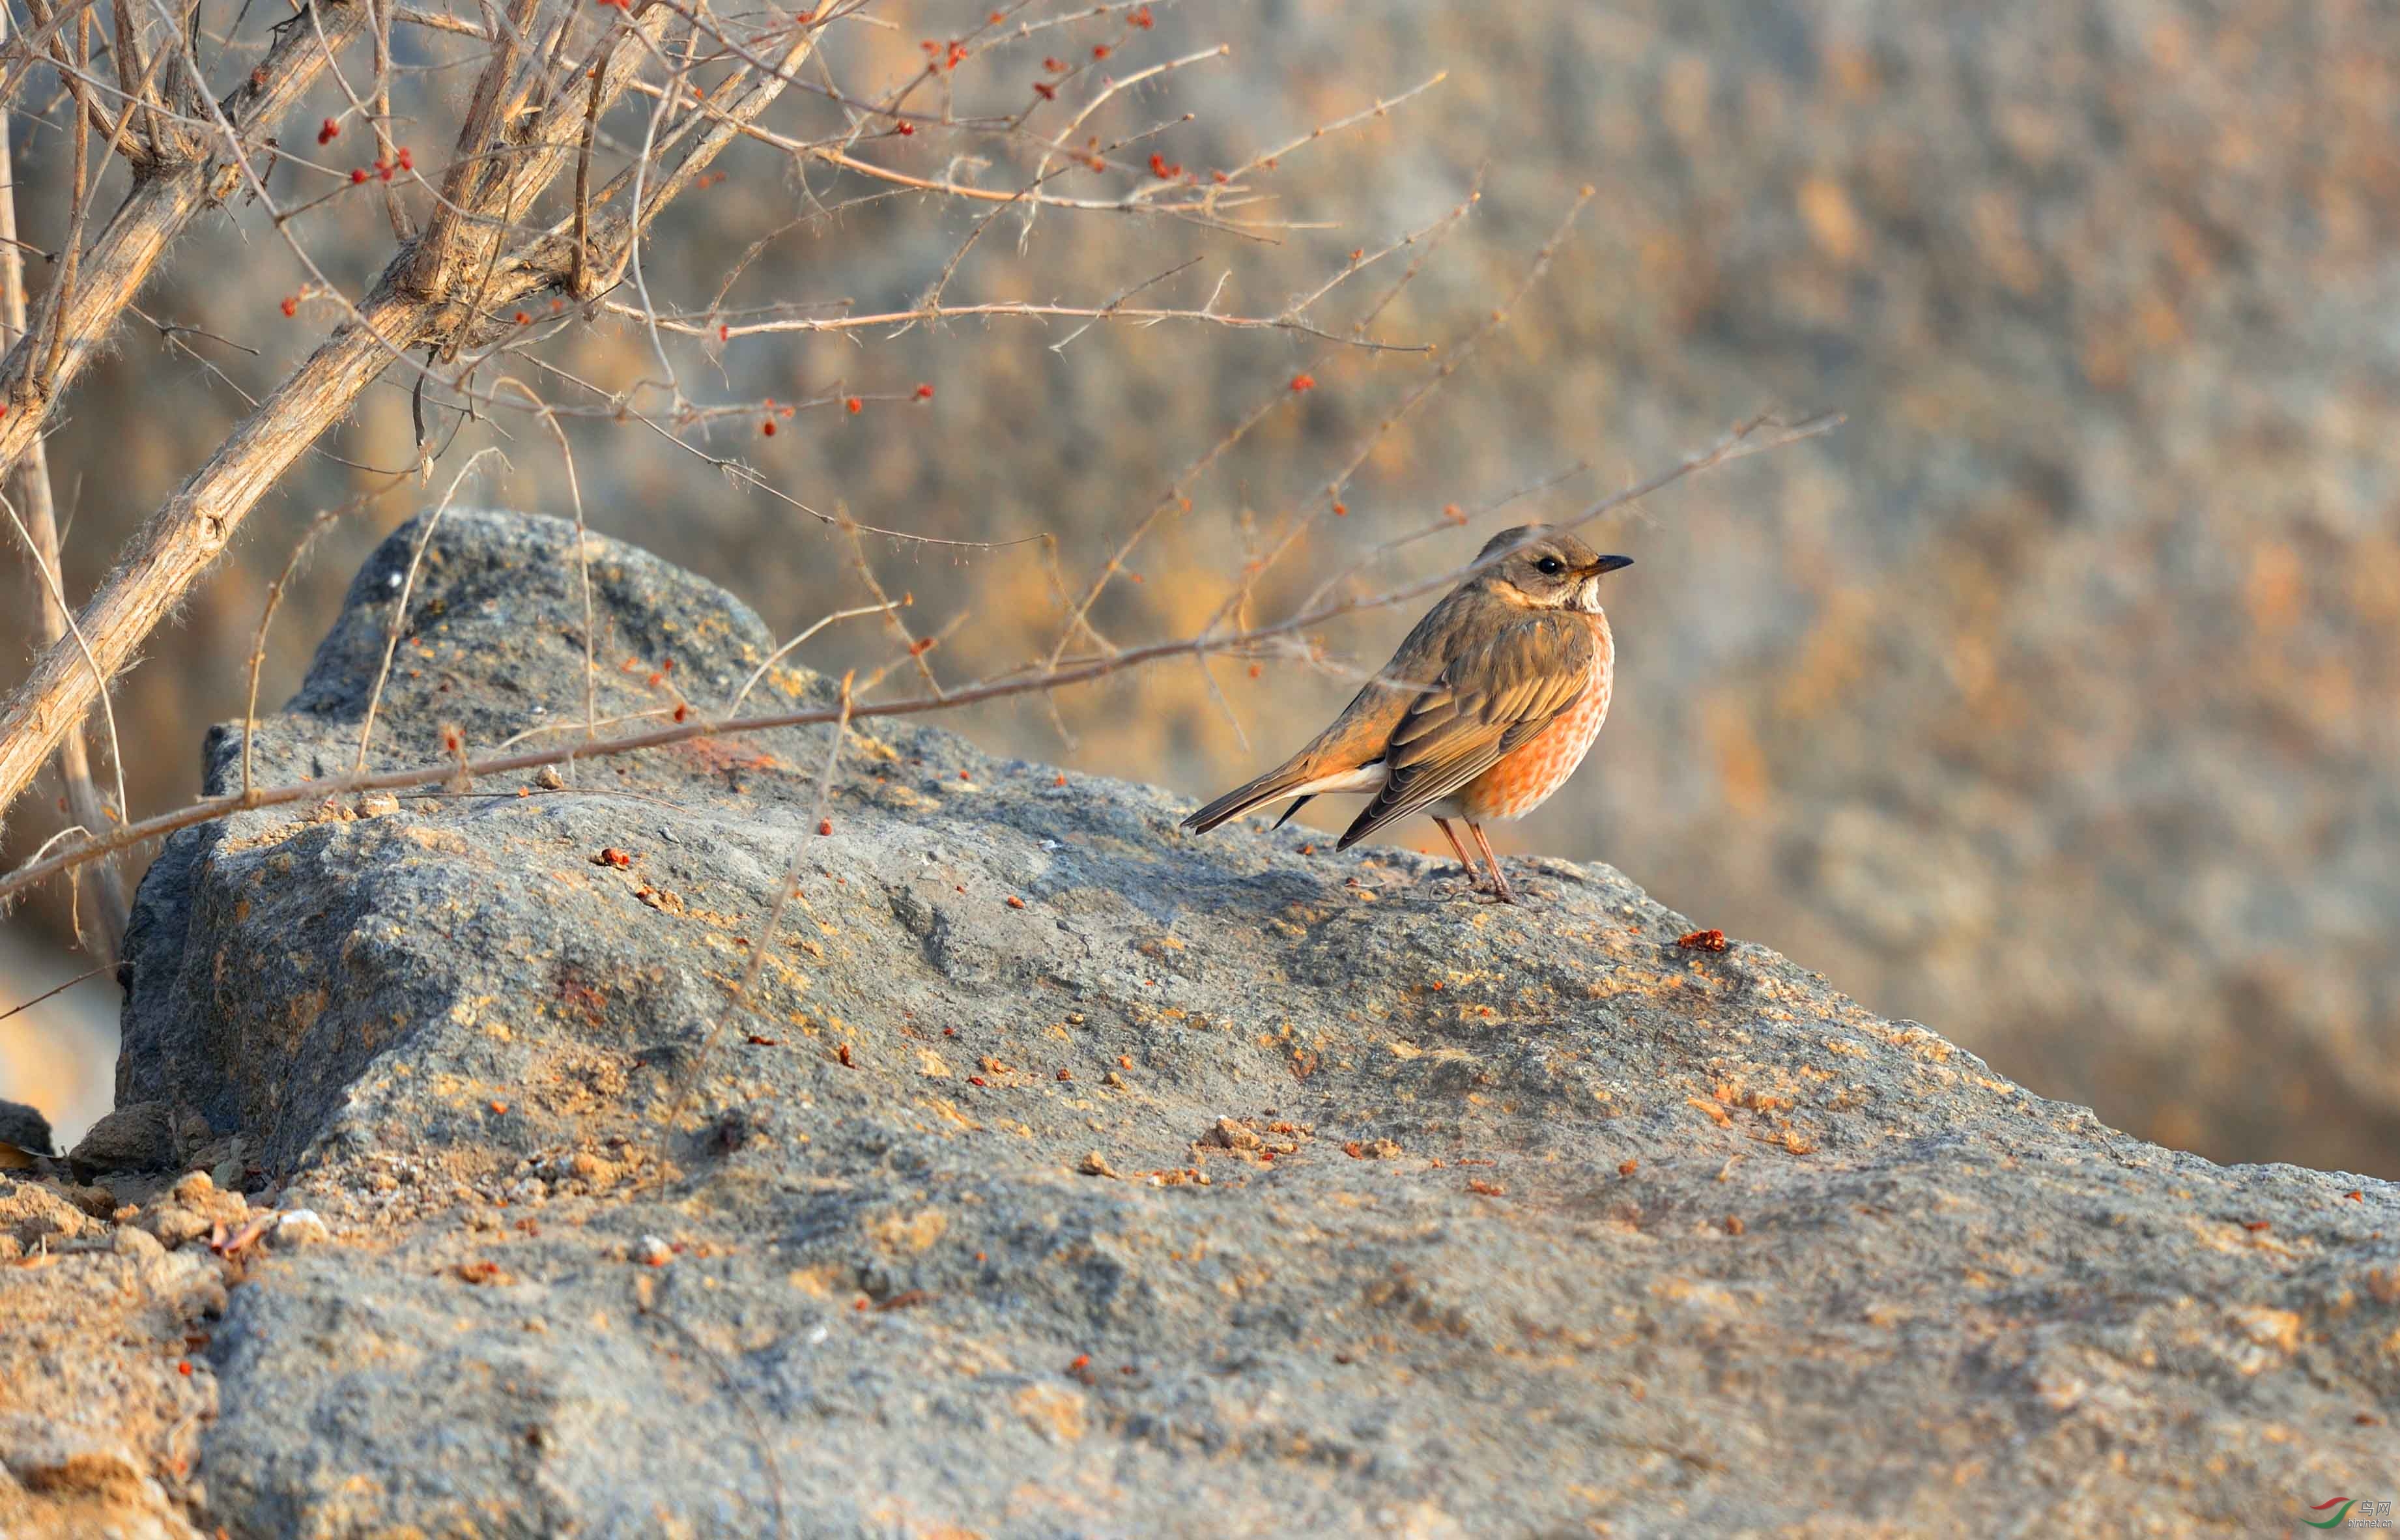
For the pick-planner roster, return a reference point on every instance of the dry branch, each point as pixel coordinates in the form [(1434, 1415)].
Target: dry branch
[(420, 299), (166, 196), (41, 535)]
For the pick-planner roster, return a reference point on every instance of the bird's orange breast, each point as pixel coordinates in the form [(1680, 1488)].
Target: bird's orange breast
[(1525, 781)]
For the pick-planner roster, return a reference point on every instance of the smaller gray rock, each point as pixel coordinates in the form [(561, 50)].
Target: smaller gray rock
[(25, 1128), (139, 1136)]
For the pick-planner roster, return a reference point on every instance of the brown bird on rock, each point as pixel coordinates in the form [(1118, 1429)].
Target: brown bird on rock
[(1486, 709)]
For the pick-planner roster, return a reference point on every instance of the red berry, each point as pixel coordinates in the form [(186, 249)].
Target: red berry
[(768, 427), (924, 392), (855, 405), (1303, 382), (825, 826), (330, 131)]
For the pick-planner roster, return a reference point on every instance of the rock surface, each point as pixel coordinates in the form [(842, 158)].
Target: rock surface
[(2055, 700), (1064, 1176), (102, 1398)]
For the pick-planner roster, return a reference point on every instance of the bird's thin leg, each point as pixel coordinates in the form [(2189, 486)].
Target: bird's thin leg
[(1499, 878), (1465, 862)]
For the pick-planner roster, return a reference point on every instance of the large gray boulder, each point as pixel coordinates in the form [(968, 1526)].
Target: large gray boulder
[(1062, 1175)]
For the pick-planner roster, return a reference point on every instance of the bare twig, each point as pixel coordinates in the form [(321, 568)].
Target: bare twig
[(582, 559), (79, 191), (1289, 322), (317, 526), (400, 605), (1330, 501), (734, 707), (890, 608), (26, 1005), (43, 545), (121, 260), (411, 303)]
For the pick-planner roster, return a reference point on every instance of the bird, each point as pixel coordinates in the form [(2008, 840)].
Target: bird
[(1488, 705)]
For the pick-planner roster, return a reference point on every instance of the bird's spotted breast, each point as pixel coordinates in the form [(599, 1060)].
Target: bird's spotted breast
[(1525, 781)]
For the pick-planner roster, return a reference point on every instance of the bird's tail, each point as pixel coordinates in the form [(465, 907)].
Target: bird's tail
[(1285, 780), (1296, 778)]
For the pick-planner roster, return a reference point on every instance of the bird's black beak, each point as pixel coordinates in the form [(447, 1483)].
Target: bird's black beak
[(1606, 564)]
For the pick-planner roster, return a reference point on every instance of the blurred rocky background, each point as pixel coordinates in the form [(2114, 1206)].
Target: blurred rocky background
[(2055, 699)]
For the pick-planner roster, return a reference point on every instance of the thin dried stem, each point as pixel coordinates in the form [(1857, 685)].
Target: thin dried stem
[(1176, 494), (1330, 503), (582, 559), (890, 607), (400, 605), (78, 192), (92, 816), (43, 544), (786, 650), (22, 1007), (307, 540)]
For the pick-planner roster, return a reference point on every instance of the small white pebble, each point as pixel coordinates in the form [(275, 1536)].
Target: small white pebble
[(300, 1226)]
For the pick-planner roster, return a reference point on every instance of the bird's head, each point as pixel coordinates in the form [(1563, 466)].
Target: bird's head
[(1542, 568)]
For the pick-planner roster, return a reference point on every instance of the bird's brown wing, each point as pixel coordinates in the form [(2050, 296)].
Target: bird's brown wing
[(1358, 736), (1494, 695)]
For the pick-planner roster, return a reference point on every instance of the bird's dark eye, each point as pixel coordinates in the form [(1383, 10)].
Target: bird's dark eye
[(1551, 566)]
